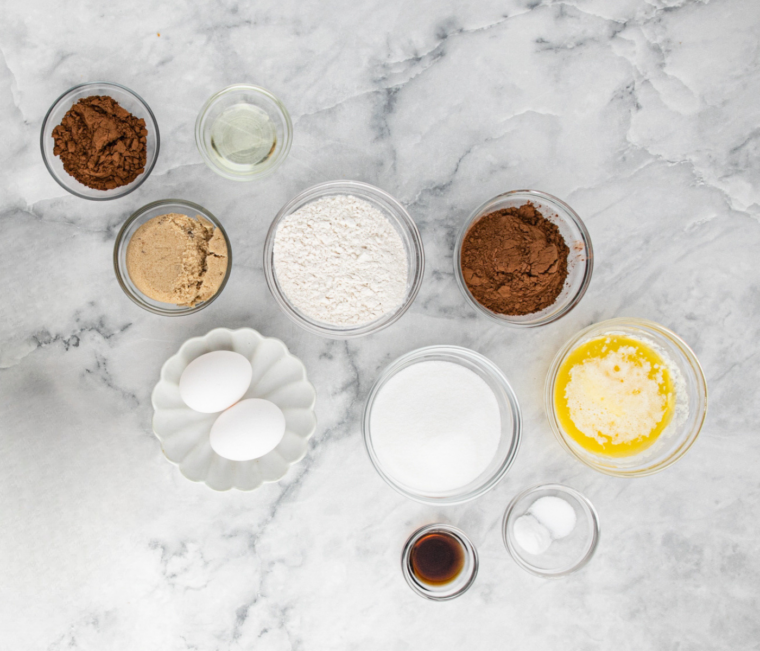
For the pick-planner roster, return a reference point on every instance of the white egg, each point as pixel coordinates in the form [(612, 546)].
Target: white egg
[(248, 430), (215, 381)]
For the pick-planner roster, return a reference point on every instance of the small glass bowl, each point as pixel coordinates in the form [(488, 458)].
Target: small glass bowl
[(255, 96), (691, 400), (129, 101), (137, 219), (460, 584), (565, 555), (580, 263), (399, 219), (509, 409)]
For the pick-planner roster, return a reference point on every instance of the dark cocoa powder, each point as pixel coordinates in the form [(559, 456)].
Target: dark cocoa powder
[(101, 144), (514, 261)]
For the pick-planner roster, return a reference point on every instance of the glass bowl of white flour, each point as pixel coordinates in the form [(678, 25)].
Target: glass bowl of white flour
[(344, 259)]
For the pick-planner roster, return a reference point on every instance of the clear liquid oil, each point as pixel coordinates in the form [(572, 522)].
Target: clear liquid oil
[(243, 137)]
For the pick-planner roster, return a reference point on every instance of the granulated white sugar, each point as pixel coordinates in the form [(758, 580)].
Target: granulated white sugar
[(435, 426), (340, 261)]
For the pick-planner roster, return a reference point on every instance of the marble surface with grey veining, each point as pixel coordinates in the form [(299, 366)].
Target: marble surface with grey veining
[(642, 114)]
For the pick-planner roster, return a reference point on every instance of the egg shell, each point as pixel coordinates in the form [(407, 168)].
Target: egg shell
[(215, 381), (247, 430)]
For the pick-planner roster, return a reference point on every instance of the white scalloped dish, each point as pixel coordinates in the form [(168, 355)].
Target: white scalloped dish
[(278, 376)]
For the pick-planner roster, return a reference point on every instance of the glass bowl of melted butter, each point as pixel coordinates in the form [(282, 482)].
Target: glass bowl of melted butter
[(627, 397)]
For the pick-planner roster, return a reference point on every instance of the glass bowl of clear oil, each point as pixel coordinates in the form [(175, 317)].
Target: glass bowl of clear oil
[(243, 132)]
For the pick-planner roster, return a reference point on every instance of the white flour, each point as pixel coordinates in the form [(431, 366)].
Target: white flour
[(339, 260)]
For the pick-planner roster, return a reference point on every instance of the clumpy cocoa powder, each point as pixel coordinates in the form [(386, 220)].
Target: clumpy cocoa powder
[(514, 261), (101, 145)]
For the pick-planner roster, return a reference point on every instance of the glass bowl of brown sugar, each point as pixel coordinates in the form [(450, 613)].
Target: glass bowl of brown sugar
[(162, 262), (523, 258), (100, 141)]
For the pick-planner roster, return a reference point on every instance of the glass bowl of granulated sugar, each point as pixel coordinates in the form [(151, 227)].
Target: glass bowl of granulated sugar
[(344, 259), (442, 425)]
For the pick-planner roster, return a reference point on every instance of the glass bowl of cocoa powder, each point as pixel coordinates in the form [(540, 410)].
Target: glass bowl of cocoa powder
[(523, 258), (99, 141)]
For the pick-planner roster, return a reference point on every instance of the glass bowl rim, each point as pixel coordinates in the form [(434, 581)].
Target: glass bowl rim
[(596, 529), (140, 180), (495, 372), (469, 550), (571, 216), (401, 215), (200, 210), (694, 364), (287, 129)]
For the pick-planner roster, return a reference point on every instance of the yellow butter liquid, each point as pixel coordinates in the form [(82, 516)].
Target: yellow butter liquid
[(597, 395)]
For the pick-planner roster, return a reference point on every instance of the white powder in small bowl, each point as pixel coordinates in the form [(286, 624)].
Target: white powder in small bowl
[(531, 535), (339, 260), (549, 518), (555, 514), (435, 426)]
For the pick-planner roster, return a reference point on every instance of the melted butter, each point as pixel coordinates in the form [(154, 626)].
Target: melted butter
[(614, 396)]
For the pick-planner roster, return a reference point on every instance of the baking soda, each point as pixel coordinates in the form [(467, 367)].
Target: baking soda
[(548, 518)]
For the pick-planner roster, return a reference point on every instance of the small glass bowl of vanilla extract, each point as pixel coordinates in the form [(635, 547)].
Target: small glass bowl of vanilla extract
[(439, 562)]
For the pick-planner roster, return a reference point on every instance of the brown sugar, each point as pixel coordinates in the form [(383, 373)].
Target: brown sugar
[(177, 259), (514, 261), (102, 145)]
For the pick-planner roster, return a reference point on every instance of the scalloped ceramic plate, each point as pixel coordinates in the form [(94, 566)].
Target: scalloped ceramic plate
[(277, 376)]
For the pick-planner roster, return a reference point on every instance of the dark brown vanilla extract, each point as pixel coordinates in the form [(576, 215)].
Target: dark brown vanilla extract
[(437, 558)]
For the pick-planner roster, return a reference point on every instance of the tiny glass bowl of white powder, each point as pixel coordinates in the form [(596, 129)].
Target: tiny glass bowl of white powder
[(551, 530), (442, 425), (344, 259)]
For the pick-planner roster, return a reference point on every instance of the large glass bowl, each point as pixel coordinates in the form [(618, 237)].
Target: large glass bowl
[(137, 219), (128, 100), (509, 410), (691, 399), (400, 220), (580, 263)]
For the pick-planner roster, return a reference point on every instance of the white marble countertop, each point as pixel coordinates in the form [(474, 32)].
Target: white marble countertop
[(642, 115)]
